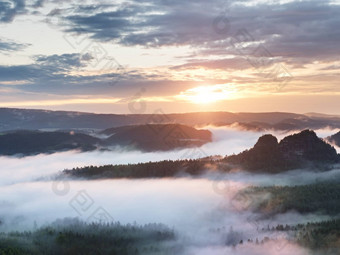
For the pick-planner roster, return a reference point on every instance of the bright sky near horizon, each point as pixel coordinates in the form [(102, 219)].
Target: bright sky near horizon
[(180, 56)]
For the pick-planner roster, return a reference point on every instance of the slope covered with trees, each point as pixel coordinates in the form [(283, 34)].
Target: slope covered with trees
[(314, 198), (161, 169), (79, 238)]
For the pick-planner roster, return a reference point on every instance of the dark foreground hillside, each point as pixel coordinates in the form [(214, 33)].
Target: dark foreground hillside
[(294, 151)]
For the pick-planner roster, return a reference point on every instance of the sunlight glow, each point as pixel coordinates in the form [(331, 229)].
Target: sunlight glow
[(207, 94)]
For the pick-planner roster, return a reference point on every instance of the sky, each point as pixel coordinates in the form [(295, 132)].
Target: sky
[(180, 56)]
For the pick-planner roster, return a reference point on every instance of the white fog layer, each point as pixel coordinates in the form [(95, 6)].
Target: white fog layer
[(201, 210)]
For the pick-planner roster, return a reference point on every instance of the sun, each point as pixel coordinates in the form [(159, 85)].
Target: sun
[(206, 94)]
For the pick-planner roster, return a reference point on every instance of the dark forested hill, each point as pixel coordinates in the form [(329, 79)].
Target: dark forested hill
[(294, 151), (34, 142), (158, 137), (141, 137)]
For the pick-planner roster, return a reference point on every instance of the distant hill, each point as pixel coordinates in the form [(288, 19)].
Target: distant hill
[(154, 137), (334, 139), (19, 119), (141, 137), (292, 152), (35, 142)]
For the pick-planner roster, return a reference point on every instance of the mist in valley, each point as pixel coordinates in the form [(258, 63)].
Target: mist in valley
[(202, 211)]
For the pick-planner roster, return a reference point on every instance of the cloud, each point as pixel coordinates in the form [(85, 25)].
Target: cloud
[(39, 3), (79, 74), (332, 67), (153, 23), (296, 31), (236, 63), (293, 33), (191, 206), (10, 46), (11, 8), (64, 61), (47, 69)]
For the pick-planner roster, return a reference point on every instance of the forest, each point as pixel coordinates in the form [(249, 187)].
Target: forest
[(322, 237), (161, 169), (72, 236), (313, 198)]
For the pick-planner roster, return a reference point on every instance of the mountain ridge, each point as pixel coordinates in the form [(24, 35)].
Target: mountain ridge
[(292, 152), (18, 119)]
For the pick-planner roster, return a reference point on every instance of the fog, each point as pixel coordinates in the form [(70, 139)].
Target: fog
[(289, 178), (270, 248), (193, 207), (226, 141), (201, 210)]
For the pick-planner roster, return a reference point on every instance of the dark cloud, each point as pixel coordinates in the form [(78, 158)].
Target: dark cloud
[(22, 72), (148, 24), (54, 74), (298, 32), (294, 33), (64, 61), (331, 67), (10, 8), (8, 45), (39, 3), (98, 24), (47, 69), (220, 64)]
